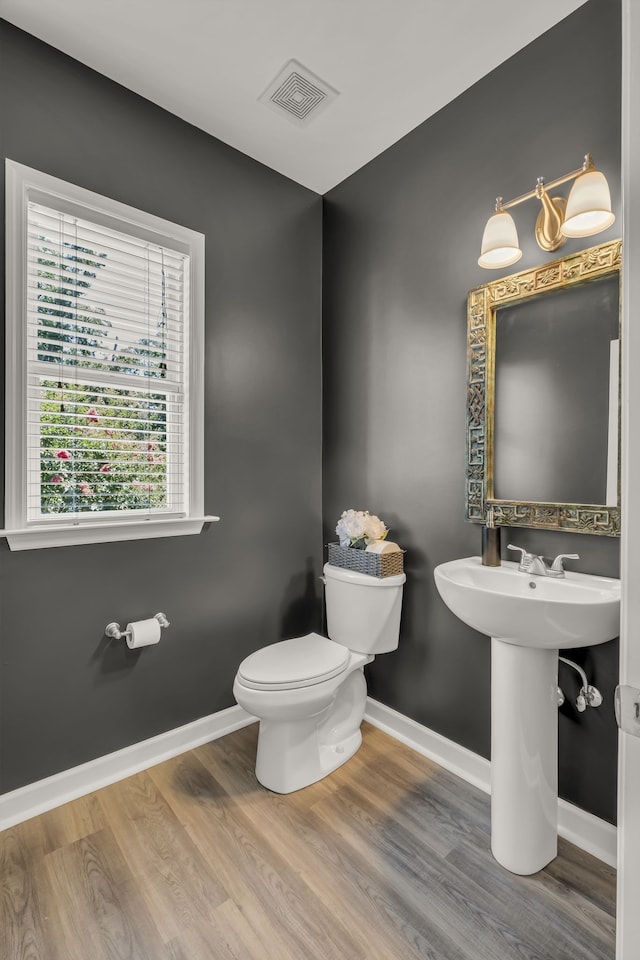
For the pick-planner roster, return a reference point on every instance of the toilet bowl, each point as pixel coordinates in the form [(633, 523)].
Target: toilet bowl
[(309, 693), (301, 738)]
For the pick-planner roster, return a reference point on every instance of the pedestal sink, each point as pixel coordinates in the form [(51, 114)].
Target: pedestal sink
[(529, 619)]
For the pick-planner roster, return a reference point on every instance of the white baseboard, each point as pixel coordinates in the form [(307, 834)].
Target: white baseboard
[(583, 829), (36, 798), (586, 831)]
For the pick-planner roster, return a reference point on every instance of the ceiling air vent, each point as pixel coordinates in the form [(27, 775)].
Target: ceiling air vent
[(298, 94)]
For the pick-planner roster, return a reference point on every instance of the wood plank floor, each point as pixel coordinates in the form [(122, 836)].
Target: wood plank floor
[(386, 859)]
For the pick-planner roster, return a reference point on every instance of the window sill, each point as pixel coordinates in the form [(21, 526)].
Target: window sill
[(68, 534)]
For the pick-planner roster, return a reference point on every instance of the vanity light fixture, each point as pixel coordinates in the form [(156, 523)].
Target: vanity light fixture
[(586, 212)]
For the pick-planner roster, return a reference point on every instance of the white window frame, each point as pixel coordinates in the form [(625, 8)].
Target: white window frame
[(22, 185)]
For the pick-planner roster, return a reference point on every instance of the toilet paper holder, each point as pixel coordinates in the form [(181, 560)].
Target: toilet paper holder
[(113, 631)]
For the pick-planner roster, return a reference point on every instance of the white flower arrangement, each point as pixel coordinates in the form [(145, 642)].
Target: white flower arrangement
[(356, 528)]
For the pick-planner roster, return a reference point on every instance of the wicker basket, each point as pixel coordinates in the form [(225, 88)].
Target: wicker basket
[(373, 564)]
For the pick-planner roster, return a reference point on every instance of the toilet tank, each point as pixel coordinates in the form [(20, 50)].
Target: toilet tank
[(363, 612)]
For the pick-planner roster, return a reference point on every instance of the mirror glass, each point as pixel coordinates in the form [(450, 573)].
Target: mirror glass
[(543, 395), (553, 420)]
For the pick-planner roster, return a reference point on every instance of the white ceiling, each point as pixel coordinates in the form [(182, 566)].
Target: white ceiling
[(394, 62)]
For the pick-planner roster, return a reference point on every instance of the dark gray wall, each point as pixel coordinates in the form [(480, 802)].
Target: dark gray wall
[(401, 242), (66, 695), (401, 239)]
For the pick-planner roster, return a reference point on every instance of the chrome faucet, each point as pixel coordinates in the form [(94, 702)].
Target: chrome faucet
[(525, 558), (537, 566)]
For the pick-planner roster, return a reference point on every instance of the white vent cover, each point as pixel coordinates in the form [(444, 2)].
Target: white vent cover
[(298, 94)]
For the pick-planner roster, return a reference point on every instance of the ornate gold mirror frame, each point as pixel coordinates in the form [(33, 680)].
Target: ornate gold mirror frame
[(592, 264)]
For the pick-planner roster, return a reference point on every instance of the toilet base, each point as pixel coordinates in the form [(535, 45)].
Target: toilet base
[(294, 770), (293, 754)]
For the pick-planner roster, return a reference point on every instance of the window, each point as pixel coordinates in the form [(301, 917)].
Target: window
[(105, 318)]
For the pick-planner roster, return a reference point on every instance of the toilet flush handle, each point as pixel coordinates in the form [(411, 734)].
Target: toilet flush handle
[(323, 579)]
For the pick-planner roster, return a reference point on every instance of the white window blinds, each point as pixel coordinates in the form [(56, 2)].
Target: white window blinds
[(107, 387)]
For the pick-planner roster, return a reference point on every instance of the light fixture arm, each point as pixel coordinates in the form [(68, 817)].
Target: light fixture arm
[(587, 165)]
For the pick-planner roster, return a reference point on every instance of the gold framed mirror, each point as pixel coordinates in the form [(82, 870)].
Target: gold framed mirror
[(543, 399)]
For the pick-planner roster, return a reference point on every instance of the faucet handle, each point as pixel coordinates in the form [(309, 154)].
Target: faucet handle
[(525, 557), (523, 552), (557, 565)]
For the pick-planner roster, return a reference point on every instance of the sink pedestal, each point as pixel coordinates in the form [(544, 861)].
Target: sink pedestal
[(534, 617), (524, 756)]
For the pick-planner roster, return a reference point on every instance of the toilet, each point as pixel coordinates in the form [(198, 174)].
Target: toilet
[(309, 693)]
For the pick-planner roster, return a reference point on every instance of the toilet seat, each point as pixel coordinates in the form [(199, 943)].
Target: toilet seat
[(291, 664)]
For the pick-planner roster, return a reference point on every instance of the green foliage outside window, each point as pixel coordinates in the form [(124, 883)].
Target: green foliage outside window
[(102, 448)]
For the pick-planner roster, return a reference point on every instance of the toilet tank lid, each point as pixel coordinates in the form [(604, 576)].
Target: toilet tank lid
[(365, 579)]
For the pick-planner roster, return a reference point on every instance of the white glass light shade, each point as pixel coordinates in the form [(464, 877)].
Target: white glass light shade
[(589, 206), (499, 242)]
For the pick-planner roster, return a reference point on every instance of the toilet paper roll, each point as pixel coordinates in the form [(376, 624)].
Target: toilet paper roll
[(142, 633), (383, 546)]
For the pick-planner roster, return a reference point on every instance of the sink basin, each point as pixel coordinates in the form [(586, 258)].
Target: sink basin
[(578, 610)]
